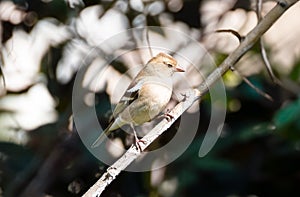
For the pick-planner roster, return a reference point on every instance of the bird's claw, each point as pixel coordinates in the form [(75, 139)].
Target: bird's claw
[(137, 144), (168, 116), (185, 96)]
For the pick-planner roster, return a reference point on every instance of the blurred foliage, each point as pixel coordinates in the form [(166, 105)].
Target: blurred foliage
[(257, 154)]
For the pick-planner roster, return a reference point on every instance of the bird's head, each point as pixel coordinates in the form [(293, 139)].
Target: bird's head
[(164, 65)]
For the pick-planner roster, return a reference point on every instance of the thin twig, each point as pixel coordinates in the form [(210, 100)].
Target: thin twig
[(247, 81), (267, 62), (258, 9), (148, 42), (263, 49), (2, 78), (235, 33), (264, 55), (250, 39)]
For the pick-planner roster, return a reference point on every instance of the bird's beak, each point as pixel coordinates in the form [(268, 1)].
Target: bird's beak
[(179, 69)]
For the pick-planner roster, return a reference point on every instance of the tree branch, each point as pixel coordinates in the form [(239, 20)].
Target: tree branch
[(193, 95)]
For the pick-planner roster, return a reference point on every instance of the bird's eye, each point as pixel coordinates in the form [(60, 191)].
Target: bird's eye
[(169, 65)]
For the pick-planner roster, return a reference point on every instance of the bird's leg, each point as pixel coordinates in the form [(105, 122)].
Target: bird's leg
[(137, 140)]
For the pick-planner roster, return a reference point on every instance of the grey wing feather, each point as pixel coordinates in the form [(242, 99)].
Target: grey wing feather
[(129, 96), (101, 137)]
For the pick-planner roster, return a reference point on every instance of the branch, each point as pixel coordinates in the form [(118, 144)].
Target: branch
[(193, 95)]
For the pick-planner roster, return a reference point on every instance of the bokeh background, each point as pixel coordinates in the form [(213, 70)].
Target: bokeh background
[(45, 42)]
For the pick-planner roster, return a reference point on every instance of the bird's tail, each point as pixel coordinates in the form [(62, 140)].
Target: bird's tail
[(101, 137)]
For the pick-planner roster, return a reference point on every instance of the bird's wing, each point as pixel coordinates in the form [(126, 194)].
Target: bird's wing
[(129, 96)]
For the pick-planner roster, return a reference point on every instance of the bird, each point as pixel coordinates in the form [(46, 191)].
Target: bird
[(146, 97)]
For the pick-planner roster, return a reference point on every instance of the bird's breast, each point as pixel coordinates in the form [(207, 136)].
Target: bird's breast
[(156, 94), (151, 101)]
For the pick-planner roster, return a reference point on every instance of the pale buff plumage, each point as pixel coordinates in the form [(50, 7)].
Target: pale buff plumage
[(147, 95)]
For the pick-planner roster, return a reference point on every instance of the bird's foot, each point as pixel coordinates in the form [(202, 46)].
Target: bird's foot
[(137, 140), (185, 96), (168, 116), (138, 144)]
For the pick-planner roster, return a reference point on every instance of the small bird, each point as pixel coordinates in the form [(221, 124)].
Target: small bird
[(146, 97)]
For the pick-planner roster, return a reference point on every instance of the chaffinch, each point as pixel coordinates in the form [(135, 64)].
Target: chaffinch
[(146, 97)]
